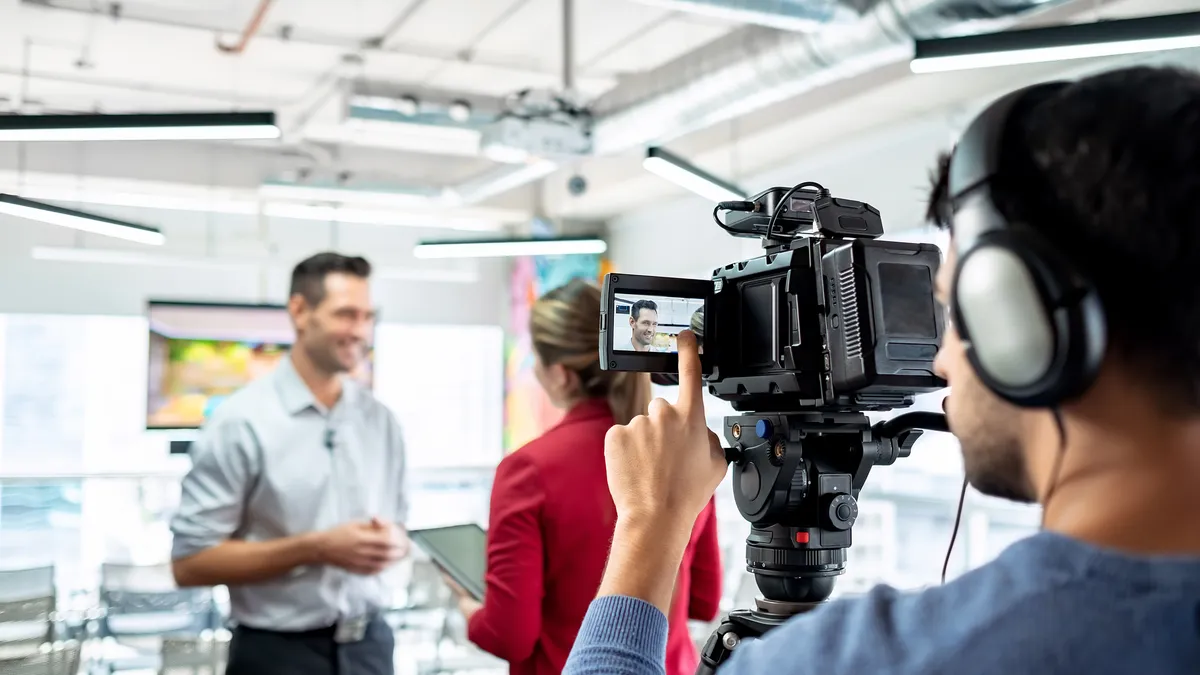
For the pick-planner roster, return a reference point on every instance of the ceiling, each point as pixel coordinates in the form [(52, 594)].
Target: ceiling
[(163, 55), (308, 56)]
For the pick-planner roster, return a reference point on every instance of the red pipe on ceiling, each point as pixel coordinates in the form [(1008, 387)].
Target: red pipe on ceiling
[(250, 30)]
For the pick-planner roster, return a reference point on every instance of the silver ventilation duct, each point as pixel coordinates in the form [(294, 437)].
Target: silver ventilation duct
[(794, 15), (755, 67)]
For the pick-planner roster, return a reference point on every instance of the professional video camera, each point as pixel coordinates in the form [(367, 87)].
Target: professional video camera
[(829, 324)]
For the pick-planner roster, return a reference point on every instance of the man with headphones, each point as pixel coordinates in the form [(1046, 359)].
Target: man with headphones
[(1073, 357)]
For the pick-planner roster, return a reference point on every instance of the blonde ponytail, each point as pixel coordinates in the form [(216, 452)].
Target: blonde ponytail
[(629, 396)]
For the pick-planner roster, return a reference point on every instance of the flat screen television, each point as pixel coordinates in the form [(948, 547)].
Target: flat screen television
[(201, 353)]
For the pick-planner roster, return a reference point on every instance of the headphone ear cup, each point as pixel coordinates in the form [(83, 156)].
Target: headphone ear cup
[(999, 309), (1034, 330)]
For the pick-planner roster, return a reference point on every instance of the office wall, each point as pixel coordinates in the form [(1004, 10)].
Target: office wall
[(53, 287)]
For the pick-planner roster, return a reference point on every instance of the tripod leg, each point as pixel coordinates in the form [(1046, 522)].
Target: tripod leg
[(718, 648)]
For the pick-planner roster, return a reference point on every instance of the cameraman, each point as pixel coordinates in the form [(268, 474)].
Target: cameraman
[(1112, 583)]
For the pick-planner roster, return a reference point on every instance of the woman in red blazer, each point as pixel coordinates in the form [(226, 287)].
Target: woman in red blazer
[(552, 518)]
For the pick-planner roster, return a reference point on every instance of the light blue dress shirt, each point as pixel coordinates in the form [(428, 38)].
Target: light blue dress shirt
[(261, 470)]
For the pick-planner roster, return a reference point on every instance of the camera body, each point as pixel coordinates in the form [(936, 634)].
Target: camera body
[(831, 318)]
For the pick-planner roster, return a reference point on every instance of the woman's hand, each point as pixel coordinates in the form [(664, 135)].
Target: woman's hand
[(466, 604)]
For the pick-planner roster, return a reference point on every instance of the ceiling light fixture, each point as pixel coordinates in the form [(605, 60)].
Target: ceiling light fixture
[(459, 111), (79, 220), (688, 176), (399, 217), (436, 215), (140, 127), (342, 195), (140, 259), (499, 180), (190, 201), (1058, 43), (509, 248)]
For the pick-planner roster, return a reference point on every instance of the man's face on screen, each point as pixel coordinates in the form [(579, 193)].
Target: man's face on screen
[(644, 326)]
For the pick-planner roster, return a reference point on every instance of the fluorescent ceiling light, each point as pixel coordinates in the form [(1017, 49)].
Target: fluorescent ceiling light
[(117, 257), (1058, 43), (140, 259), (168, 202), (79, 220), (339, 195), (502, 179), (501, 248), (436, 213), (686, 175), (341, 214), (140, 127)]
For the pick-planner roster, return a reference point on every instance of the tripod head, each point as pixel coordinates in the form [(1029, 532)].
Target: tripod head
[(796, 479)]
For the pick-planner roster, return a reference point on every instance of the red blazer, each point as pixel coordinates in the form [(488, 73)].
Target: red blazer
[(549, 533), (697, 592)]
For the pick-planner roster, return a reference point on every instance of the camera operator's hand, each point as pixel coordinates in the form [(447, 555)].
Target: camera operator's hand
[(663, 468)]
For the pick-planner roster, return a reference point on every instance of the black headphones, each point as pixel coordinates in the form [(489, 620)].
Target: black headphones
[(1033, 326)]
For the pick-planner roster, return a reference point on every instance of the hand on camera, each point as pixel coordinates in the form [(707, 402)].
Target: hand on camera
[(365, 548), (667, 464)]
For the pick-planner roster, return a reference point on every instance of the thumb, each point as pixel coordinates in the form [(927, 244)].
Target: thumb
[(376, 523)]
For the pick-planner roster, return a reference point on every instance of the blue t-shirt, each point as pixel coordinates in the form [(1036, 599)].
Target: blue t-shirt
[(1048, 605)]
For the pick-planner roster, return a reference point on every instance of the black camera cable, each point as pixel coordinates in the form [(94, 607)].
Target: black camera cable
[(1058, 463), (748, 207), (781, 206), (1054, 475)]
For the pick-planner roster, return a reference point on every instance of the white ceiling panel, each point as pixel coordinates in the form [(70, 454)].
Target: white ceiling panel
[(663, 42), (604, 26), (533, 30), (454, 24), (351, 19)]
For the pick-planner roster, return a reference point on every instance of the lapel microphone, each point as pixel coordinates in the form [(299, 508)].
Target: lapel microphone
[(329, 439)]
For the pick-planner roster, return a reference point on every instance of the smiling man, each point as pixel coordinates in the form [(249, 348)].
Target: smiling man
[(295, 498), (643, 325)]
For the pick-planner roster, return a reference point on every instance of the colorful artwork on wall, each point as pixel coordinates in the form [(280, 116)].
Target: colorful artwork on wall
[(527, 410)]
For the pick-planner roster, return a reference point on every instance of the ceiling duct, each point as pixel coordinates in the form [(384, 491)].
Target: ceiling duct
[(792, 15), (756, 67)]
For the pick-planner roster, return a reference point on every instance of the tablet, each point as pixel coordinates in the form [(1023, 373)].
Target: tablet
[(460, 550)]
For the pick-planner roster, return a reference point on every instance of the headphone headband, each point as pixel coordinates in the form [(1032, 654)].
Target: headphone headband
[(976, 156)]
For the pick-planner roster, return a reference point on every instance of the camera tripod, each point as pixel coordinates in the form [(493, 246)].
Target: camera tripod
[(796, 479)]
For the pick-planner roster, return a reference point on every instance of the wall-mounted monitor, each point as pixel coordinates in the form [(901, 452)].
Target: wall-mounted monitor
[(202, 353)]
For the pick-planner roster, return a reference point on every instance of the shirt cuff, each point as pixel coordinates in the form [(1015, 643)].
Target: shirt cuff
[(187, 545), (618, 624)]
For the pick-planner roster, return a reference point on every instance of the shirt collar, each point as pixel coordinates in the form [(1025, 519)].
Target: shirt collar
[(592, 408), (295, 394)]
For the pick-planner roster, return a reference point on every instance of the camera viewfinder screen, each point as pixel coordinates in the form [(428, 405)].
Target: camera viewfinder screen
[(652, 323)]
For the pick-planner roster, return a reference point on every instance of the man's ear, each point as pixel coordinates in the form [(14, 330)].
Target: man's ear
[(297, 308)]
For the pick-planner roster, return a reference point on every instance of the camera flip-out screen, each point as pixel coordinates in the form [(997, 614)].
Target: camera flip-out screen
[(642, 317)]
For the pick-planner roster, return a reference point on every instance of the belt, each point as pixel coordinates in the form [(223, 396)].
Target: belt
[(323, 631)]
